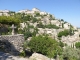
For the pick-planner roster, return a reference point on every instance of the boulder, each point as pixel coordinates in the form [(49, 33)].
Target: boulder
[(36, 56)]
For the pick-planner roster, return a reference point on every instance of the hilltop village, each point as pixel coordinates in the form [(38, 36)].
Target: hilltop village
[(38, 23)]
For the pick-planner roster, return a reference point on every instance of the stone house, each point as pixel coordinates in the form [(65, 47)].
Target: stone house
[(4, 12), (67, 26)]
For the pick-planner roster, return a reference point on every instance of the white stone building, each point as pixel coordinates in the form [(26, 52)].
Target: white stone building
[(35, 10), (43, 13), (56, 22), (67, 26), (4, 12), (1, 14)]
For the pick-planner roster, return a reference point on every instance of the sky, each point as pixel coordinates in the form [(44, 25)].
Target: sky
[(69, 10)]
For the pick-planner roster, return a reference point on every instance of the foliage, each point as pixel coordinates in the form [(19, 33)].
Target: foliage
[(26, 18), (9, 20), (51, 26), (63, 33), (71, 54), (37, 14), (20, 31), (34, 20), (45, 45), (30, 26), (27, 34), (22, 54), (40, 25), (51, 17), (77, 44), (62, 20), (62, 25), (61, 44), (35, 32)]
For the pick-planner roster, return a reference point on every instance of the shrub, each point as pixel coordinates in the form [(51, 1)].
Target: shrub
[(61, 44), (51, 26), (34, 20), (9, 20), (71, 54), (22, 54), (45, 45), (63, 33), (40, 25), (77, 44), (37, 14), (27, 34)]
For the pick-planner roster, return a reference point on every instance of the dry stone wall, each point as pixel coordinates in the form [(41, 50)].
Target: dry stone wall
[(15, 40)]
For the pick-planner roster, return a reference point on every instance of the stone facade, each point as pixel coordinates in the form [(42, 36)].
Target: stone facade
[(66, 26), (70, 40), (15, 40), (52, 32)]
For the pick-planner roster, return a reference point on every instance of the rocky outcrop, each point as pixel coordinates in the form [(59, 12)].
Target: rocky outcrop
[(36, 56)]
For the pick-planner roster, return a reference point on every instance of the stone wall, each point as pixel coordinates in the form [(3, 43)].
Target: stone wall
[(16, 41)]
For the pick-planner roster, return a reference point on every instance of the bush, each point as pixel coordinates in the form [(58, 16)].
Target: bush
[(22, 54), (63, 33), (61, 44), (9, 20), (34, 20), (71, 54), (45, 45), (51, 26), (40, 25), (27, 34), (37, 14), (77, 45)]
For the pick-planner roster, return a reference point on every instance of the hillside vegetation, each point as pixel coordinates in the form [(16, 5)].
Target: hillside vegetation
[(43, 33)]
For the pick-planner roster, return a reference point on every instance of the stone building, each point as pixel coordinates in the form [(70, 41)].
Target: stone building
[(4, 12)]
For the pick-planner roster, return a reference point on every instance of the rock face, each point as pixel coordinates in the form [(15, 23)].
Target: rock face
[(15, 41), (36, 56)]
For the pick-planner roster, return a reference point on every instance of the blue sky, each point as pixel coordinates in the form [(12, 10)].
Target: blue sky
[(69, 10)]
